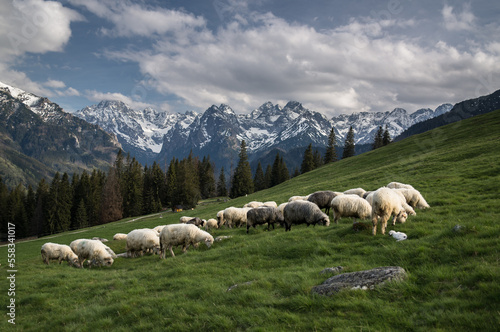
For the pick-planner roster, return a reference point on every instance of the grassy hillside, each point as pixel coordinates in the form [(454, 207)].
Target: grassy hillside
[(452, 280)]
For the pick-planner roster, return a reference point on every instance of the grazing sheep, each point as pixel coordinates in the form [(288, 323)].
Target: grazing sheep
[(220, 218), (356, 191), (61, 252), (235, 216), (253, 204), (270, 204), (159, 228), (119, 236), (196, 221), (323, 199), (303, 212), (143, 240), (182, 235), (281, 207), (211, 223), (369, 196), (387, 202), (413, 198), (351, 206), (396, 185), (298, 198), (184, 219), (262, 215), (95, 251)]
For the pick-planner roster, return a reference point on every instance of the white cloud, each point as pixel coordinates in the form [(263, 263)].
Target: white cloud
[(356, 67), (55, 84), (131, 19), (461, 21)]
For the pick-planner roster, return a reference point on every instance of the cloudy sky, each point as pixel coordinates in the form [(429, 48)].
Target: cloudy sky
[(333, 56)]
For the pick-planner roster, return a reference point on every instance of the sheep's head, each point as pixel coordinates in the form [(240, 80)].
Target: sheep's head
[(108, 261), (74, 262), (401, 217), (209, 241), (324, 220)]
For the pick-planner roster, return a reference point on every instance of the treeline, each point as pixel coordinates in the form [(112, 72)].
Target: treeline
[(95, 198)]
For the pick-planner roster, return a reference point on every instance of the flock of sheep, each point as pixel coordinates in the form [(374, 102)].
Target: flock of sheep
[(396, 200)]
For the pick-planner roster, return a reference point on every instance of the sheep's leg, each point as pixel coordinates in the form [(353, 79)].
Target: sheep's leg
[(171, 251), (384, 223), (394, 219), (374, 222)]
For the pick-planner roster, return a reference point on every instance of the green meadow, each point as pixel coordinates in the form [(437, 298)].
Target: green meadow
[(453, 279)]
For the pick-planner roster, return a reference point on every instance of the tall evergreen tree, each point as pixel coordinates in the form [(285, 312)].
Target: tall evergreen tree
[(284, 173), (308, 161), (349, 144), (111, 207), (276, 171), (30, 204), (93, 203), (41, 211), (386, 139), (207, 178), (171, 184), (378, 141), (242, 183), (318, 161), (221, 184), (268, 175), (132, 201), (16, 211), (331, 154), (259, 181), (59, 204), (4, 195)]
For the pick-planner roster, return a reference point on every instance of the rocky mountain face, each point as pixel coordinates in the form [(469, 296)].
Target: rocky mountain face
[(38, 138)]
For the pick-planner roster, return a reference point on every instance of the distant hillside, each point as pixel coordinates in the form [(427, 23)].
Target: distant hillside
[(460, 111)]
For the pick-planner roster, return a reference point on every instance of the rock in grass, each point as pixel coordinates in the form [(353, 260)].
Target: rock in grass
[(332, 270), (368, 279)]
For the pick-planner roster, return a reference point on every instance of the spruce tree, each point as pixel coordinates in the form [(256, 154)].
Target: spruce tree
[(308, 161), (386, 139), (268, 176), (378, 141), (349, 145), (207, 178), (41, 211), (331, 154), (318, 161), (242, 183), (259, 181), (171, 184), (132, 201), (111, 207), (221, 184), (284, 173), (276, 171)]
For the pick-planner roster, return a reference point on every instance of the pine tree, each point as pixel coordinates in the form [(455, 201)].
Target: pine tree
[(111, 207), (308, 161), (276, 171), (16, 211), (171, 184), (259, 181), (318, 161), (207, 178), (94, 200), (331, 154), (349, 145), (284, 173), (378, 141), (221, 184), (268, 175), (4, 194), (132, 201), (242, 183), (386, 139), (40, 215)]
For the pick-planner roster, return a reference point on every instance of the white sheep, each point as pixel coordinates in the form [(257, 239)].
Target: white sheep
[(184, 219), (211, 223), (182, 235), (159, 228), (95, 251), (413, 198), (356, 191), (350, 205), (298, 198), (61, 252), (253, 204), (220, 218), (142, 240), (386, 203), (281, 207), (119, 236), (270, 204), (303, 212), (236, 217), (396, 185)]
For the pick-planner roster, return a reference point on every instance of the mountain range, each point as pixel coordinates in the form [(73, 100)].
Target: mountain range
[(153, 135), (37, 139)]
